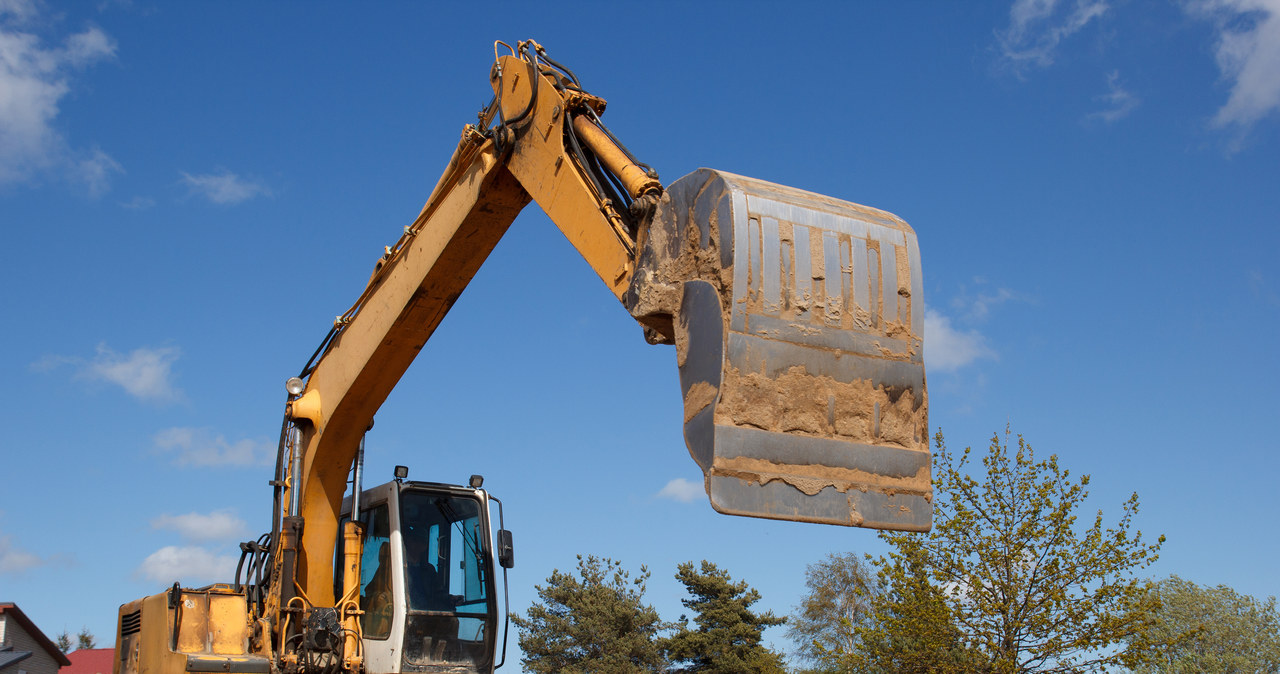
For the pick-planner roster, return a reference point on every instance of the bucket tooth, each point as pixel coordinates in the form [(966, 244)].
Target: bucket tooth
[(798, 324)]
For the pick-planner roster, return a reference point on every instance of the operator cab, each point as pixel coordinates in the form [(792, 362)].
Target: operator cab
[(428, 577)]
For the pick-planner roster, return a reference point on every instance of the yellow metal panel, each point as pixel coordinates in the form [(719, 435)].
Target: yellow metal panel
[(126, 660), (151, 653), (228, 623), (193, 623)]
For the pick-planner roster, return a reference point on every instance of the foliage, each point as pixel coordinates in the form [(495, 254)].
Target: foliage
[(1006, 581), (840, 590), (85, 639), (1212, 629), (592, 622), (912, 629), (728, 635)]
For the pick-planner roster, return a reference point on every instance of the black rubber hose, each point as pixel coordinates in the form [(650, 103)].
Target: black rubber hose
[(562, 69)]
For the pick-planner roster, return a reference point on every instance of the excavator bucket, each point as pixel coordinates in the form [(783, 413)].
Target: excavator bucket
[(798, 324)]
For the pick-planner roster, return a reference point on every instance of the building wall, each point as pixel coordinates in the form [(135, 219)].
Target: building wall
[(40, 662)]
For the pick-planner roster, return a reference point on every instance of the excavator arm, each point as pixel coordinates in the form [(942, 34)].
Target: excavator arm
[(494, 173)]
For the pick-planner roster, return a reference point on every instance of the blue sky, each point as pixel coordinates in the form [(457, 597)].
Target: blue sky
[(190, 192)]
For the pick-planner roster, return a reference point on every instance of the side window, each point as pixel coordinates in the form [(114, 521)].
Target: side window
[(375, 574), (468, 582)]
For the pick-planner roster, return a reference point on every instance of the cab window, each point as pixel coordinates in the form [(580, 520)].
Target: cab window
[(375, 574)]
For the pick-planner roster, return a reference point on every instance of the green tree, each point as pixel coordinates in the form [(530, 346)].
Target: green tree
[(63, 642), (85, 639), (728, 634), (911, 629), (1211, 629), (1006, 565), (838, 600), (595, 621)]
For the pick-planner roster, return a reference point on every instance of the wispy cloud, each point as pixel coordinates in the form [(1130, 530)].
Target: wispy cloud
[(224, 187), (138, 203), (1038, 27), (947, 348), (219, 525), (1261, 288), (203, 447), (189, 565), (19, 11), (95, 171), (1248, 55), (1118, 102), (14, 559), (976, 308), (145, 373), (682, 490), (34, 78)]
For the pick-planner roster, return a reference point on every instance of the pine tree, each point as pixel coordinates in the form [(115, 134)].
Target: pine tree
[(85, 639), (594, 622), (728, 634)]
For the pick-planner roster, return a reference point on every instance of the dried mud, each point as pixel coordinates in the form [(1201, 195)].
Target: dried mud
[(819, 406), (700, 395), (813, 479)]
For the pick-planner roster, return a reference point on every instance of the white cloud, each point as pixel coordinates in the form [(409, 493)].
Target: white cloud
[(34, 78), (14, 559), (682, 490), (1119, 101), (84, 48), (189, 565), (203, 447), (947, 349), (218, 525), (1037, 27), (1248, 54), (145, 373), (224, 187)]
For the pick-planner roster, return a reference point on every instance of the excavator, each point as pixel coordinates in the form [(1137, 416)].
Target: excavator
[(797, 321)]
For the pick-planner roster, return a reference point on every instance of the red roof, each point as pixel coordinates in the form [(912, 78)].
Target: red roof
[(89, 661), (11, 610)]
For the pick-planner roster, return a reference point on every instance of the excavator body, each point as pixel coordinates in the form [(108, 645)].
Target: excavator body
[(797, 321)]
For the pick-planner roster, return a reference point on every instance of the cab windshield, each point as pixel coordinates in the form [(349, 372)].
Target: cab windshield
[(450, 618)]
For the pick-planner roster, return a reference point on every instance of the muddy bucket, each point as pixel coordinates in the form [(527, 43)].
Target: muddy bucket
[(798, 324)]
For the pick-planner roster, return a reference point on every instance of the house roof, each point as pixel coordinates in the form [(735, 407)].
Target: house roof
[(10, 610), (90, 661), (8, 656)]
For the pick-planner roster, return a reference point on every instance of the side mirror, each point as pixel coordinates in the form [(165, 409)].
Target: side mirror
[(506, 550)]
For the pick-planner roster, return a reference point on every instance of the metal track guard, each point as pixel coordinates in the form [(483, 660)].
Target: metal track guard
[(798, 324)]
